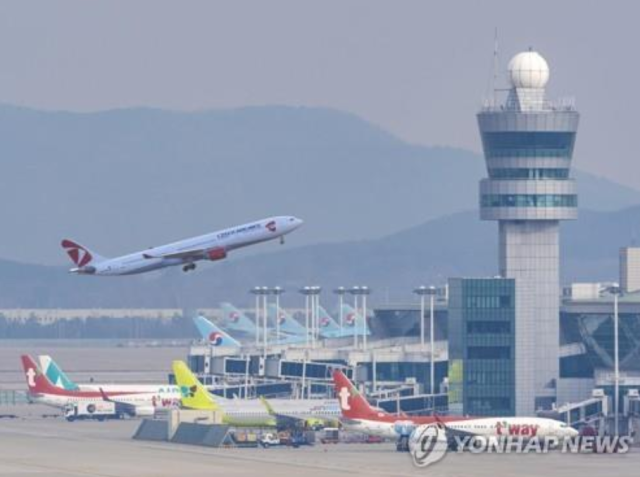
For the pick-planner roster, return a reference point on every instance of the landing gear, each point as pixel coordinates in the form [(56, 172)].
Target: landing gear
[(282, 240), (188, 267)]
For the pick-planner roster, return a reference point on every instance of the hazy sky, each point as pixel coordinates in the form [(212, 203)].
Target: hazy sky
[(417, 68)]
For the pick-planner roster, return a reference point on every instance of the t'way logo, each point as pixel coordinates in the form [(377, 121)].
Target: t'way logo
[(271, 226), (505, 429), (344, 395), (31, 377)]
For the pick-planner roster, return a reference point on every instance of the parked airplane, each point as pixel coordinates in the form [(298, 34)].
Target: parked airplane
[(60, 379), (254, 412), (213, 246), (239, 413), (238, 322), (213, 334), (41, 390), (287, 323), (359, 415), (352, 319), (310, 411)]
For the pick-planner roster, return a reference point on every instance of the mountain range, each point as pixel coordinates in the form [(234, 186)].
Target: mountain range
[(377, 211)]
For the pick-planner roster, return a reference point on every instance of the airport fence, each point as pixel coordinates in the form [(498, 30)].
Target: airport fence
[(13, 398)]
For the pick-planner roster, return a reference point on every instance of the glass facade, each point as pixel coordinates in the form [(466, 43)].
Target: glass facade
[(481, 346), (595, 331), (403, 370), (529, 173), (529, 200), (528, 144)]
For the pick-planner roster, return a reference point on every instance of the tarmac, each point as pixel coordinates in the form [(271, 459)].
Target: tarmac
[(54, 447)]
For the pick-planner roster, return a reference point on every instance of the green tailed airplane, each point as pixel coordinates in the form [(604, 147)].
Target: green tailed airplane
[(235, 412)]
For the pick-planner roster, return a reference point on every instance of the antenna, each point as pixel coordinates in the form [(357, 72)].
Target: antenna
[(495, 67)]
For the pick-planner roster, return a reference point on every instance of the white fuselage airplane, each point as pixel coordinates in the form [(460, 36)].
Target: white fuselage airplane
[(136, 403), (358, 415), (213, 246)]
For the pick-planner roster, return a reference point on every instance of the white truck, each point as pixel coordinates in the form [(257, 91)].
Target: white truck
[(99, 410), (268, 440)]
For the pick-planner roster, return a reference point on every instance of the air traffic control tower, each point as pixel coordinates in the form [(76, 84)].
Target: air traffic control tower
[(528, 143)]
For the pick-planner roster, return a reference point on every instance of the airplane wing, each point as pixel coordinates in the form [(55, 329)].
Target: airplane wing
[(282, 419), (121, 407), (215, 253), (194, 253)]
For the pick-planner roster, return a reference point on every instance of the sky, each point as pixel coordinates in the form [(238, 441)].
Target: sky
[(419, 69)]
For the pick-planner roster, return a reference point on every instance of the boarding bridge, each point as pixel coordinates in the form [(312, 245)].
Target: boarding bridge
[(590, 412)]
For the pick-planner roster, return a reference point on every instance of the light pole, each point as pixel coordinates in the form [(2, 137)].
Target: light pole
[(261, 306), (306, 291), (365, 291), (421, 291), (432, 371), (430, 291), (277, 291), (257, 291), (616, 291), (355, 291), (314, 292), (362, 292), (340, 291), (265, 324)]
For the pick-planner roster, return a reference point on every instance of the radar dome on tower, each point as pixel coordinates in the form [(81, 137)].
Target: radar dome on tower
[(528, 70)]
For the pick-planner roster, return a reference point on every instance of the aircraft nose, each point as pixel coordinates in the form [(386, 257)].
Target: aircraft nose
[(297, 222)]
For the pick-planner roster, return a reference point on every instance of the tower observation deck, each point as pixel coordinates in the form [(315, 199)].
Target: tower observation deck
[(528, 145)]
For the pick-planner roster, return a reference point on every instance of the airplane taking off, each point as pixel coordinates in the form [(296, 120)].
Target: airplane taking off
[(213, 246)]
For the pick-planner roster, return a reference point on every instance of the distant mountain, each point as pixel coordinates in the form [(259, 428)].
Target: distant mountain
[(457, 245), (123, 180)]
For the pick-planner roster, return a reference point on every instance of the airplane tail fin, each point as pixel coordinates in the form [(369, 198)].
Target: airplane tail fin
[(212, 333), (352, 404), (55, 374), (37, 382), (81, 256), (235, 319), (193, 394), (353, 319)]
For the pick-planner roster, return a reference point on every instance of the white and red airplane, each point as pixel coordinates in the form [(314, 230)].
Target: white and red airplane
[(212, 247), (133, 403), (359, 415)]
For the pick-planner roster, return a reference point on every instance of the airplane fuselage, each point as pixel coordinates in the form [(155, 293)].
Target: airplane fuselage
[(525, 427)]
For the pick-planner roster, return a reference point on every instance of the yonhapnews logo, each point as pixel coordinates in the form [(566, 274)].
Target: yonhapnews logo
[(429, 444)]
